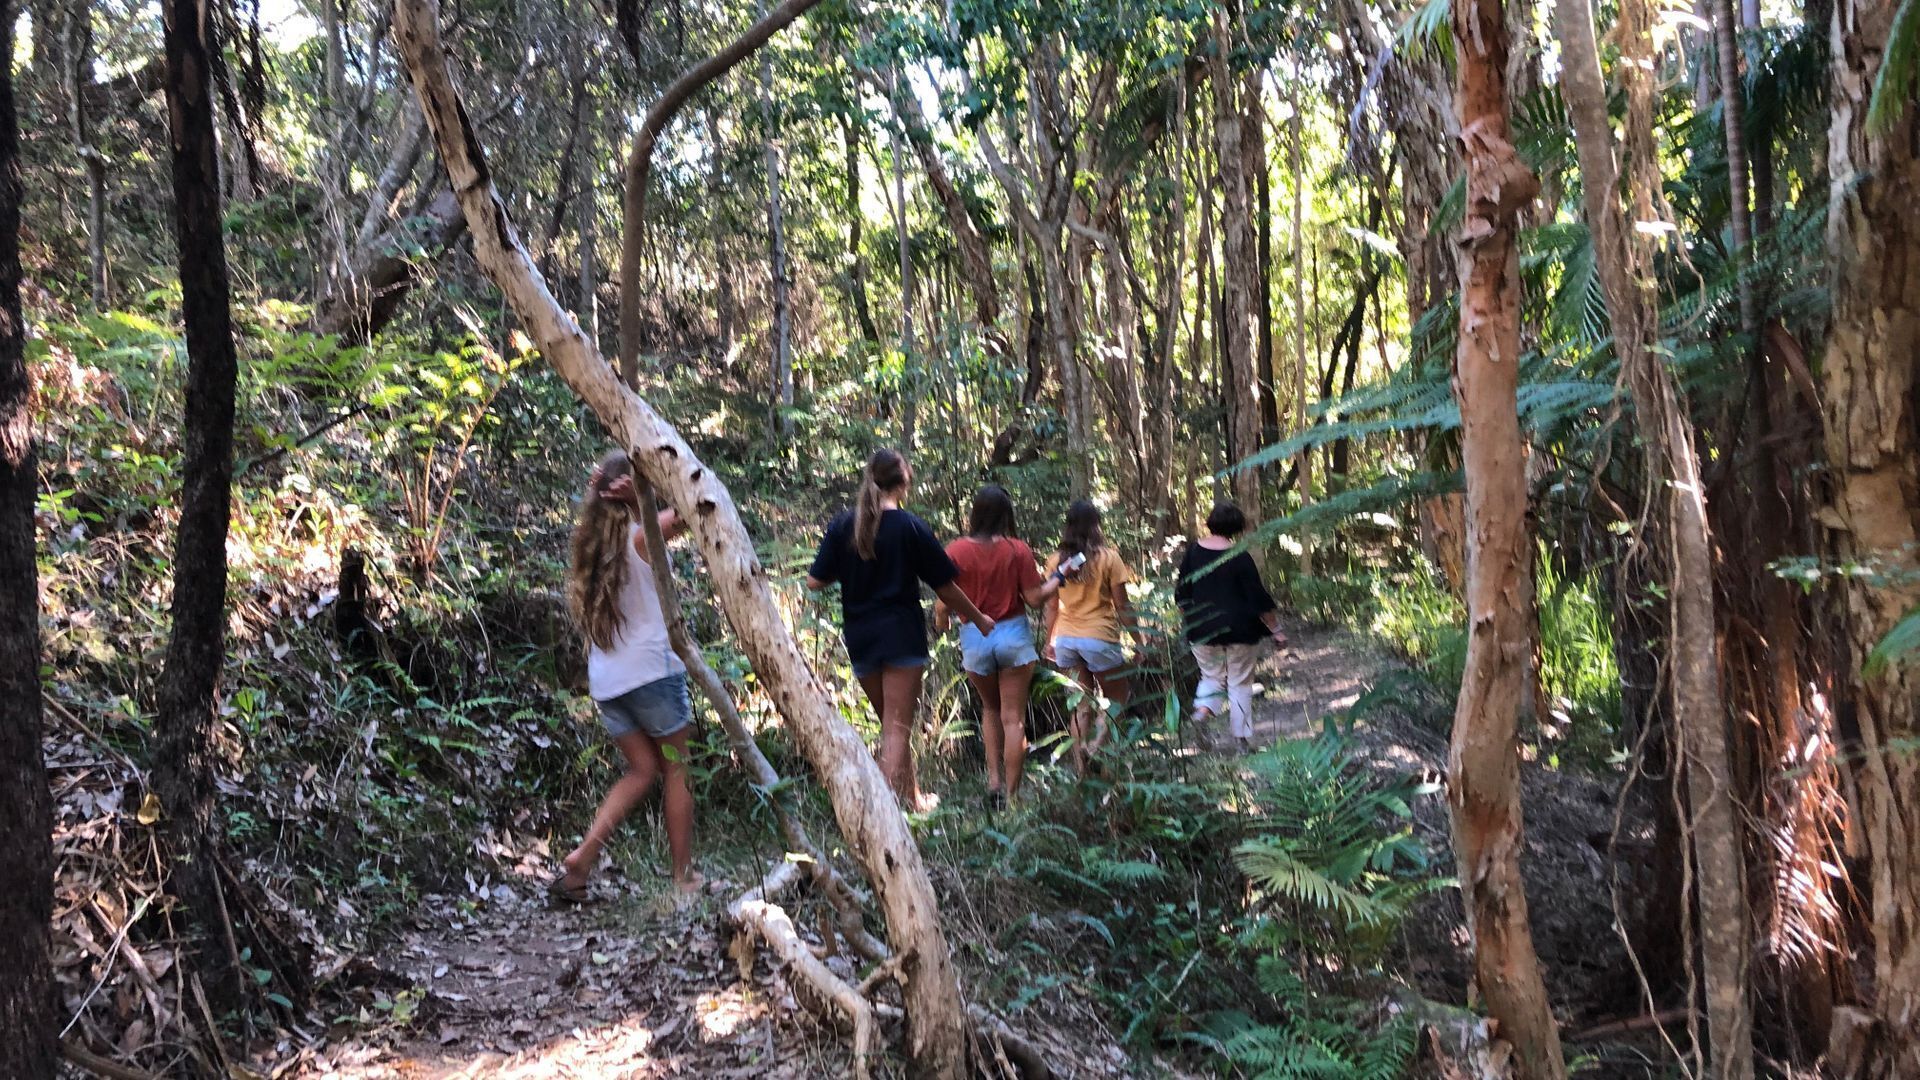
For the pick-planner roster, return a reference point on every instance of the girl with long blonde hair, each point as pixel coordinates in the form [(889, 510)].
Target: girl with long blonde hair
[(633, 674)]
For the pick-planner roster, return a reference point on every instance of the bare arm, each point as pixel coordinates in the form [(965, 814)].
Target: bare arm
[(955, 598), (1044, 592), (1122, 606), (942, 617), (816, 584)]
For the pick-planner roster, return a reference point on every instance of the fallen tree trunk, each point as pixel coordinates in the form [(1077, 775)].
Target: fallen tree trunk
[(869, 816)]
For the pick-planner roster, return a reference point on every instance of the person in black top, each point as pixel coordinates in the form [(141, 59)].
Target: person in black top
[(1230, 618), (879, 554)]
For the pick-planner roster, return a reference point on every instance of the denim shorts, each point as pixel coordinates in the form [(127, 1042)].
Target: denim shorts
[(865, 666), (659, 709), (1098, 656), (1009, 646)]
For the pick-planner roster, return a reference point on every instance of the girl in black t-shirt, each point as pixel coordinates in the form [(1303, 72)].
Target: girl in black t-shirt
[(879, 554)]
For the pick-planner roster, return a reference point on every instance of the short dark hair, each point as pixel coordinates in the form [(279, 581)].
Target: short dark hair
[(1227, 519), (992, 512)]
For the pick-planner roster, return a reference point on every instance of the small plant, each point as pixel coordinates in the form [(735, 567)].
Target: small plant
[(1333, 848)]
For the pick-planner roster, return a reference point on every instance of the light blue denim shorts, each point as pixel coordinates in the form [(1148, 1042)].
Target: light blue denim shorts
[(1009, 646), (659, 708), (1098, 656)]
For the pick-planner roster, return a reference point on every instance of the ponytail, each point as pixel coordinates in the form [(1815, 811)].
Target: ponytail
[(886, 471)]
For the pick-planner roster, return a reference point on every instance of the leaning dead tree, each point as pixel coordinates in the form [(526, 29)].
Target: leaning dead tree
[(868, 815)]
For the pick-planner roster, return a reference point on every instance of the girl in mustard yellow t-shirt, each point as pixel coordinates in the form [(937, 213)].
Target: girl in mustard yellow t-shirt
[(1084, 620)]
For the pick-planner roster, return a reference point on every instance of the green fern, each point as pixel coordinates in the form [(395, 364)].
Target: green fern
[(1894, 86)]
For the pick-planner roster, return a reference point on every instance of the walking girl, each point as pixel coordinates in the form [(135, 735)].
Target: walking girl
[(879, 554), (1084, 621), (1230, 619), (632, 672), (998, 571)]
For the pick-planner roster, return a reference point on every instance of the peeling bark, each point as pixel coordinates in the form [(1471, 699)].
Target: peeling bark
[(1871, 375), (1483, 764)]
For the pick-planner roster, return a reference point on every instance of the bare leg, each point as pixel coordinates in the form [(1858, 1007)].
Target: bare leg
[(988, 687), (643, 767), (1117, 690), (677, 805), (1082, 721), (895, 693), (1014, 683)]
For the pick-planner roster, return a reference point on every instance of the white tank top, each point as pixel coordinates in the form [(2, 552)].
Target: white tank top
[(641, 652)]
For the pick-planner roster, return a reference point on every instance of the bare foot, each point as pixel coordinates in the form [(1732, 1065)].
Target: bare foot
[(925, 803), (690, 884)]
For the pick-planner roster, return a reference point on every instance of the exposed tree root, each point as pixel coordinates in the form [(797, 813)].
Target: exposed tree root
[(757, 913)]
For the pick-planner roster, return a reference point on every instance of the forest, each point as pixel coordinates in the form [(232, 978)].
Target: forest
[(1324, 540)]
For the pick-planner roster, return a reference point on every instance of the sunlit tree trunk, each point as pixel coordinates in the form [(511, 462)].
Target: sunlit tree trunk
[(1871, 375), (28, 1018), (1483, 783), (1674, 468), (183, 763)]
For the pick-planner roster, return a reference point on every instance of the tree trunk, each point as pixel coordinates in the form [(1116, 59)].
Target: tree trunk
[(974, 258), (640, 163), (401, 161), (1303, 463), (384, 273), (183, 767), (910, 391), (79, 57), (1700, 716), (1241, 267), (1483, 764), (586, 187), (1871, 374), (856, 246), (28, 1001), (869, 816), (1733, 109), (782, 367), (1263, 229)]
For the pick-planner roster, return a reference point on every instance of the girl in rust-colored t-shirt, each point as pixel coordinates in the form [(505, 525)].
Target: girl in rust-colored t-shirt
[(998, 573)]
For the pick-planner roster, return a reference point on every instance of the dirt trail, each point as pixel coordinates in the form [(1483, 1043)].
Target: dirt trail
[(503, 985), (1323, 670)]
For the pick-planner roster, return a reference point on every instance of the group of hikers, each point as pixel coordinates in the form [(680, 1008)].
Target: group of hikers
[(880, 554)]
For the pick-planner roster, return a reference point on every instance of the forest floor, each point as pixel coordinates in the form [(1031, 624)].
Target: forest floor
[(500, 983)]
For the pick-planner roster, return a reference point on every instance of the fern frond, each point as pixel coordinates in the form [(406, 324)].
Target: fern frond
[(1898, 79)]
